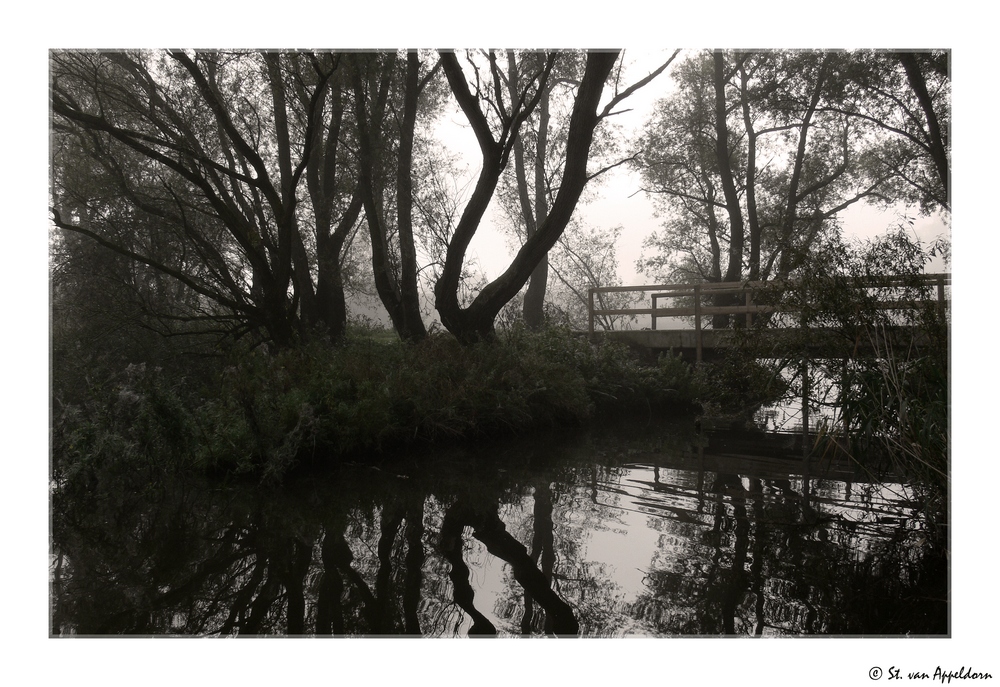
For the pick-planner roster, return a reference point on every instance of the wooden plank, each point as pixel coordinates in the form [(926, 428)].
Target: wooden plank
[(859, 282), (934, 284), (821, 343), (742, 309), (704, 310)]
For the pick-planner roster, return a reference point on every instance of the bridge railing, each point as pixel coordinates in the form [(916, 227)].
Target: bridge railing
[(754, 298)]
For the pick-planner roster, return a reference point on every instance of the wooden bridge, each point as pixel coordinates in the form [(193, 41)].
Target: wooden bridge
[(690, 304)]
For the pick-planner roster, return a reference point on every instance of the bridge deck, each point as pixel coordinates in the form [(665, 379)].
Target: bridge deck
[(753, 299), (774, 343)]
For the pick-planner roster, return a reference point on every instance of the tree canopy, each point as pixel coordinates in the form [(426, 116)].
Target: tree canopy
[(235, 192), (756, 155), (243, 176)]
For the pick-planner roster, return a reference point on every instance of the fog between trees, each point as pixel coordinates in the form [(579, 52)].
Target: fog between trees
[(250, 196)]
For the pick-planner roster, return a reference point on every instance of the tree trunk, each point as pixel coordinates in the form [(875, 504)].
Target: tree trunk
[(734, 270), (786, 260), (451, 543), (409, 292), (534, 297), (936, 142), (331, 305), (751, 180), (476, 322), (413, 563), (322, 183), (399, 294)]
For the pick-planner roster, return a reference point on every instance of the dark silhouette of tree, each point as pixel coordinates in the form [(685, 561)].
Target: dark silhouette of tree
[(451, 543), (757, 154), (497, 126), (203, 155), (387, 96)]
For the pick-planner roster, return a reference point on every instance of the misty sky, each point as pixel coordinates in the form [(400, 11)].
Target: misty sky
[(619, 200)]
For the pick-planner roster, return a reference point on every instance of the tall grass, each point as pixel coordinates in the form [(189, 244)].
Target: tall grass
[(893, 405)]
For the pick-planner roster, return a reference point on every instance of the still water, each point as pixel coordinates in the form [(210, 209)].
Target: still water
[(651, 531)]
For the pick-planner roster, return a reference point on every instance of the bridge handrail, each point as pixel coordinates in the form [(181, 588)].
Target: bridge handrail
[(888, 281), (749, 289)]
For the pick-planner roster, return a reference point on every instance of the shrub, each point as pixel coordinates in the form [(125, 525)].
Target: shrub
[(267, 413)]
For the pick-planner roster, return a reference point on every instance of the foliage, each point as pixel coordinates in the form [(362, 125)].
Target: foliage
[(135, 421), (740, 384), (756, 154), (267, 413), (895, 406), (888, 368), (216, 170), (896, 596)]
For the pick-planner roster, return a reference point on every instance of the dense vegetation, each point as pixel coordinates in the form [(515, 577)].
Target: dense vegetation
[(264, 414), (218, 214), (881, 390), (894, 407)]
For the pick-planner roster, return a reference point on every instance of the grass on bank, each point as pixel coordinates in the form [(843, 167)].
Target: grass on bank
[(264, 415)]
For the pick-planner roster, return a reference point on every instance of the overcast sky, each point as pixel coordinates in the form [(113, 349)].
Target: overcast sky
[(617, 197)]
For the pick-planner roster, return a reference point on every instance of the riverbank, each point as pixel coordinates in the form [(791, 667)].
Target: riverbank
[(263, 415)]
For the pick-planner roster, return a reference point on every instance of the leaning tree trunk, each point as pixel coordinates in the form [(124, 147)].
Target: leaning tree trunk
[(476, 322)]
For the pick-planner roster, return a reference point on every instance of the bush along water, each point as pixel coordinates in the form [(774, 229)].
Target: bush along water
[(894, 405), (884, 385), (265, 414)]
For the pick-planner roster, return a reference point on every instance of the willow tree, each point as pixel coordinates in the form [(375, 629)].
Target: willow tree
[(538, 154), (757, 154), (530, 185), (232, 159), (496, 113), (390, 95), (907, 97)]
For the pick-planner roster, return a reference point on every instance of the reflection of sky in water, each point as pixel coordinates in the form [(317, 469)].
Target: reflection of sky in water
[(668, 544), (655, 519)]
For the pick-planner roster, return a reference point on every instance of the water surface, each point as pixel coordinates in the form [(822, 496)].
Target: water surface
[(651, 531)]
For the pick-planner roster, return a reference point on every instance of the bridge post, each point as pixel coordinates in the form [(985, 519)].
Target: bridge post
[(749, 302), (805, 407), (590, 312), (697, 322), (652, 317), (940, 295), (845, 418), (804, 324)]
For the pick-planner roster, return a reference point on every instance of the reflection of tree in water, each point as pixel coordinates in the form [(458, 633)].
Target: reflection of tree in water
[(144, 556), (695, 589), (772, 563), (592, 505), (135, 555), (488, 528), (370, 552), (139, 552), (555, 522)]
